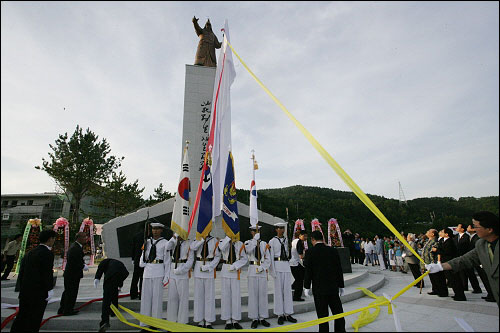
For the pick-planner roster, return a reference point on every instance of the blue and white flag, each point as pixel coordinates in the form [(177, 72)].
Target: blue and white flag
[(204, 225), (230, 220)]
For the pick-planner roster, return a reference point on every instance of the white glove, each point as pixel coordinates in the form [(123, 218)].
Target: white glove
[(227, 239), (434, 268), (260, 269), (177, 271), (205, 268), (341, 291), (50, 295), (257, 236), (403, 255), (96, 283), (85, 267), (230, 268), (307, 292), (165, 279)]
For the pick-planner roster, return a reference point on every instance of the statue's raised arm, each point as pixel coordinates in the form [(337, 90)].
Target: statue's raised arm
[(205, 54)]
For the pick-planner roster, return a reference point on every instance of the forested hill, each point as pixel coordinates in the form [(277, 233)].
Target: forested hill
[(308, 202)]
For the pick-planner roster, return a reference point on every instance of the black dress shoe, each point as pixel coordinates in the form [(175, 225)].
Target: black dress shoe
[(209, 327), (72, 313), (432, 293), (237, 326), (201, 325), (459, 298), (281, 320), (255, 323), (265, 323), (228, 326), (479, 291), (60, 311), (443, 295), (490, 299), (298, 300), (291, 319), (103, 327)]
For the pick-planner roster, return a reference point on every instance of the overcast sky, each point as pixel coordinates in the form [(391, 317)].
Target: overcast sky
[(394, 91)]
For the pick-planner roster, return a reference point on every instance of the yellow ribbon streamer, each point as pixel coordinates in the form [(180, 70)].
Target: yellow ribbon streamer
[(366, 317), (329, 159)]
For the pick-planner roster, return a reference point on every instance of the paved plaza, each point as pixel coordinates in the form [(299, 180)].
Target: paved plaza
[(417, 312)]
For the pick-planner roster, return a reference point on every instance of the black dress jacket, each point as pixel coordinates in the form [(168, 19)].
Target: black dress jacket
[(75, 263), (112, 269), (323, 269), (35, 274)]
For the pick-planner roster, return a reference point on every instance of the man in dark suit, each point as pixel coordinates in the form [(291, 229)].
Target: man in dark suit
[(463, 246), (36, 284), (480, 271), (115, 273), (323, 269), (137, 244), (73, 272), (448, 251)]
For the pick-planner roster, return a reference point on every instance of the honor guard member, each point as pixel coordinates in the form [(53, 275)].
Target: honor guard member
[(207, 256), (156, 262), (280, 271), (259, 259), (233, 258), (178, 289)]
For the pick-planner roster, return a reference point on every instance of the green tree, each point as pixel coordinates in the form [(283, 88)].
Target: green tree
[(159, 195), (119, 196), (78, 164)]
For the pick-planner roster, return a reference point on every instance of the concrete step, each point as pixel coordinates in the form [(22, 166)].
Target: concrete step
[(89, 317)]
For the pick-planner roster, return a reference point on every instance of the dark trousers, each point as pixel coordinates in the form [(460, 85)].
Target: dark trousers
[(467, 275), (298, 283), (440, 283), (322, 303), (10, 264), (136, 279), (484, 278), (68, 298), (416, 273), (30, 315), (110, 295), (455, 283)]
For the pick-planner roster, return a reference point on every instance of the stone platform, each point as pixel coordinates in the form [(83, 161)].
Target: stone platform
[(89, 317)]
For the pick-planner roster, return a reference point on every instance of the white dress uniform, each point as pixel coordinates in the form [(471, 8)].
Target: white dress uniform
[(204, 281), (178, 287), (155, 274), (280, 271), (259, 259), (230, 291)]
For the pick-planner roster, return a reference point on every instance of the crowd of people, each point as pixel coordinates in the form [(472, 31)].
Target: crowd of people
[(435, 246), (452, 261)]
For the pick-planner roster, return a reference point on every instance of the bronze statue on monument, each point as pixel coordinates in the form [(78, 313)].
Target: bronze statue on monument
[(205, 54)]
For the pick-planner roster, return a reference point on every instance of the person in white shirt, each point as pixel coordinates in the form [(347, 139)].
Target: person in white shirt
[(280, 271), (233, 257), (207, 256), (178, 289), (369, 248), (259, 259), (297, 265), (155, 259)]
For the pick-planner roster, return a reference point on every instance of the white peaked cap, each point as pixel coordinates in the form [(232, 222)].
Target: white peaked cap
[(280, 224), (157, 225)]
